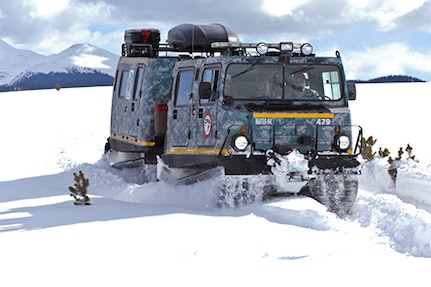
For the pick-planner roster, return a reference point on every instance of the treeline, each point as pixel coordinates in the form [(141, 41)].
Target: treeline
[(390, 79), (72, 79)]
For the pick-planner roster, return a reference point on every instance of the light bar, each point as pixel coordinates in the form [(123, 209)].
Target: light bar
[(262, 48)]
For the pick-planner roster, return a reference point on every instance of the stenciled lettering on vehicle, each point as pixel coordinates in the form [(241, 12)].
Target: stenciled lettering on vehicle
[(263, 121), (323, 122), (267, 122)]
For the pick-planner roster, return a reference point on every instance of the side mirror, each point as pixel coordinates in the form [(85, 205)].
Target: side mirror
[(205, 90), (351, 89)]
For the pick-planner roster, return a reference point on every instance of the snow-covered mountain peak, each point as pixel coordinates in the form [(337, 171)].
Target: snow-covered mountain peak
[(89, 56), (15, 61), (79, 58), (9, 52), (82, 48)]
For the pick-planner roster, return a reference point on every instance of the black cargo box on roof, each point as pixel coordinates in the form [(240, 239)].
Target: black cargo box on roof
[(142, 36), (198, 38)]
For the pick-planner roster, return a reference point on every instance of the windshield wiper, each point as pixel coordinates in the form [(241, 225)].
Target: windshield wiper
[(307, 68), (249, 68)]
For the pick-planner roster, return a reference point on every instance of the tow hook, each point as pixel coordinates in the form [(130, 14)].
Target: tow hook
[(271, 155)]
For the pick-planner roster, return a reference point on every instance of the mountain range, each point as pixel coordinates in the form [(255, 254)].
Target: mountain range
[(391, 79), (81, 65)]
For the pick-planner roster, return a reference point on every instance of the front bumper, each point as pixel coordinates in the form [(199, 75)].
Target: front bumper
[(293, 171), (334, 162)]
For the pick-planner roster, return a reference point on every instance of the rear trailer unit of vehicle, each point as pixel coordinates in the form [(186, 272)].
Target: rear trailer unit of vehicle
[(205, 104)]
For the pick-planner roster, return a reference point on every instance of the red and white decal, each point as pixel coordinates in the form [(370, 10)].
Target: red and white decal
[(207, 125)]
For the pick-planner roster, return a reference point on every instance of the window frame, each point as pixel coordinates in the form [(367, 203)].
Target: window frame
[(215, 71), (181, 89)]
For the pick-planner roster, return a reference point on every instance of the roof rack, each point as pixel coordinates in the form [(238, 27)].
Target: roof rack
[(208, 39)]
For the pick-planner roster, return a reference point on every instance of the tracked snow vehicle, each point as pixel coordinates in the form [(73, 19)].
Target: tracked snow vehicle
[(206, 104)]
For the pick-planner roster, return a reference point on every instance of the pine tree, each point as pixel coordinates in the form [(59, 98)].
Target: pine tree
[(79, 190)]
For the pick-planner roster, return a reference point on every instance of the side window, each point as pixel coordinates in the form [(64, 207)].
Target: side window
[(211, 75), (184, 88), (126, 86), (331, 85), (138, 83)]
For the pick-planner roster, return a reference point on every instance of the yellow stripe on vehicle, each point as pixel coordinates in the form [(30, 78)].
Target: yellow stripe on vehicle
[(195, 151), (133, 140), (292, 116)]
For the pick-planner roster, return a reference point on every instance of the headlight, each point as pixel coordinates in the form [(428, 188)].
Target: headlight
[(306, 49), (262, 48), (240, 142), (342, 142)]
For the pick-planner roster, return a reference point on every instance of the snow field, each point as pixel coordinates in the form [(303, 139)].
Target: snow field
[(161, 235)]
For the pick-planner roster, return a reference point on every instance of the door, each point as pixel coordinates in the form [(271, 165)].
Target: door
[(120, 121), (134, 109), (180, 113)]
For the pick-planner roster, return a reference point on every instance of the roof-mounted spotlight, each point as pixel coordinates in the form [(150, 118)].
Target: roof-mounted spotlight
[(286, 47), (262, 48), (306, 49)]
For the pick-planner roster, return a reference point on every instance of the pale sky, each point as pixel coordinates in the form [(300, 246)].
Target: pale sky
[(375, 37)]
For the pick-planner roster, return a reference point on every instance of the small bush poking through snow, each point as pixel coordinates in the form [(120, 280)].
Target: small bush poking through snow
[(79, 190), (368, 154)]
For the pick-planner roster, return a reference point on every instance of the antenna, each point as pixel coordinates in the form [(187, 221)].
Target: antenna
[(193, 29)]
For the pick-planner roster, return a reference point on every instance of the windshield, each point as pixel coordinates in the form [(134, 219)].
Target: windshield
[(283, 82)]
